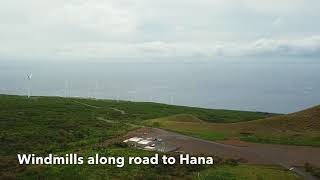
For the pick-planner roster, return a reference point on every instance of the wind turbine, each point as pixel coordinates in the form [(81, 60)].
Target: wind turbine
[(29, 76), (171, 100)]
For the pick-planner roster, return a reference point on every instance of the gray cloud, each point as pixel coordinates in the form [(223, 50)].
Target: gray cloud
[(309, 46), (80, 29)]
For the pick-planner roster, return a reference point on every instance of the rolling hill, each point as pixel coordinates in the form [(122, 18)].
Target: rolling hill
[(43, 125), (300, 128), (304, 121)]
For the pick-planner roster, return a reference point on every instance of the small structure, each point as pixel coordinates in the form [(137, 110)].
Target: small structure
[(144, 142), (150, 144), (149, 148), (133, 139)]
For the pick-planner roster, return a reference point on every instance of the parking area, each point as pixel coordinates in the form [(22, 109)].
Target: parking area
[(150, 142)]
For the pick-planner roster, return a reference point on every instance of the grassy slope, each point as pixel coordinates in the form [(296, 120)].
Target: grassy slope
[(64, 123), (43, 125), (246, 172), (301, 128), (297, 128), (94, 172), (218, 171)]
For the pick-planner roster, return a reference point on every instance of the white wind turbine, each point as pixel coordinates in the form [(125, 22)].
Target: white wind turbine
[(29, 76), (171, 100)]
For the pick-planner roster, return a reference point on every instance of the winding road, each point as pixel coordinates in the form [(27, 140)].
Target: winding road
[(287, 156)]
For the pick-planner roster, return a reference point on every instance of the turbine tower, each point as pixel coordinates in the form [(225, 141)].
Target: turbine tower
[(29, 76), (171, 100)]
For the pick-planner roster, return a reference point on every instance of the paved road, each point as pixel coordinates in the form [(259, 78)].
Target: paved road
[(284, 155)]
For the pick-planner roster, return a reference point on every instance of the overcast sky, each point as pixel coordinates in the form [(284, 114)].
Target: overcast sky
[(105, 29)]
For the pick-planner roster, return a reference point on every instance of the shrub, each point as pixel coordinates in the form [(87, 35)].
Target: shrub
[(232, 162), (311, 169), (155, 124), (120, 144)]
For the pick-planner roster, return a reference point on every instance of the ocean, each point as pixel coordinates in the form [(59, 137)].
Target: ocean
[(279, 87)]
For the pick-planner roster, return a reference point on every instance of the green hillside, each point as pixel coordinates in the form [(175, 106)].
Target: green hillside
[(43, 125), (300, 128), (67, 122)]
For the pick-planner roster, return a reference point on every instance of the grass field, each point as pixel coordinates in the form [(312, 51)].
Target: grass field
[(301, 128), (43, 125), (110, 171), (220, 171), (66, 123), (246, 172)]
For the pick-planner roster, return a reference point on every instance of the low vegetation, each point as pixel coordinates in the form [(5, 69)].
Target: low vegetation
[(246, 172), (47, 124), (315, 171), (43, 125), (301, 128), (86, 171)]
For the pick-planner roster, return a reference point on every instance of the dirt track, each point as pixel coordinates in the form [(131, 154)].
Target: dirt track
[(286, 156)]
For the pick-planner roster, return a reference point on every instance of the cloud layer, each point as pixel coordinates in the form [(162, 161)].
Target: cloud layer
[(81, 29)]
